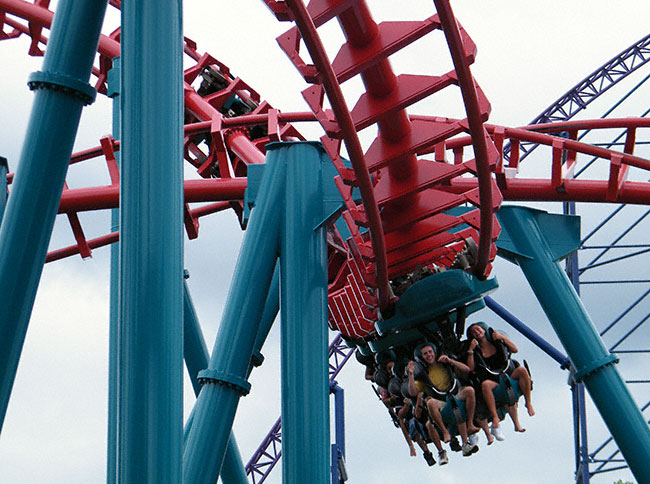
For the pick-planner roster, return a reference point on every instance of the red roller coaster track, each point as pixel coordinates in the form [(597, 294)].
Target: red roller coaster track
[(416, 168), (403, 194)]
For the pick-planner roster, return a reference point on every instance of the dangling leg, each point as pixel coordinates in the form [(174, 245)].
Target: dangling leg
[(484, 425), (521, 375), (434, 412), (486, 388), (514, 416), (434, 435), (469, 397)]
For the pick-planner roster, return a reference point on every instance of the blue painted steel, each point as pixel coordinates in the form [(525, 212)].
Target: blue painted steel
[(233, 471), (4, 169), (37, 186), (592, 361), (216, 405), (267, 455), (339, 417), (434, 296), (581, 449), (587, 90), (150, 403), (113, 89), (582, 473), (271, 309), (195, 353), (535, 338), (305, 390), (338, 447)]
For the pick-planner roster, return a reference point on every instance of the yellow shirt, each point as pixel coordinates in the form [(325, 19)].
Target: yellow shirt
[(439, 376)]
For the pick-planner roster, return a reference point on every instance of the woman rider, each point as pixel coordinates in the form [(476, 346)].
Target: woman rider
[(482, 342)]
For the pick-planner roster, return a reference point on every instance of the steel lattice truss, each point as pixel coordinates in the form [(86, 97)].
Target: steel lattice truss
[(591, 87)]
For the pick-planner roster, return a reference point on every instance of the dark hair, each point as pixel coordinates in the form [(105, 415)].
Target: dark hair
[(488, 330)]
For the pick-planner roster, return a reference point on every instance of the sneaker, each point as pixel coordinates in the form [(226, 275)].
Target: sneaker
[(428, 456), (496, 431), (455, 445), (473, 439), (442, 457), (469, 449)]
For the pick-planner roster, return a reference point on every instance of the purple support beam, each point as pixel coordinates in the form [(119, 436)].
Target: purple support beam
[(269, 452), (579, 96)]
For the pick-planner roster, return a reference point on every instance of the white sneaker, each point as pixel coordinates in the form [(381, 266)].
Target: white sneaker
[(469, 449), (496, 431), (442, 457), (473, 439)]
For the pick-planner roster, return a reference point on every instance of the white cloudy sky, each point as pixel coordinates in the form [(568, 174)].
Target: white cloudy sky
[(529, 53)]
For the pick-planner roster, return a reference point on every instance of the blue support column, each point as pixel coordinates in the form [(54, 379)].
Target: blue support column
[(337, 470), (536, 240), (578, 389), (4, 170), (61, 91), (196, 359), (271, 310), (113, 328), (303, 290), (224, 382), (150, 405), (536, 339)]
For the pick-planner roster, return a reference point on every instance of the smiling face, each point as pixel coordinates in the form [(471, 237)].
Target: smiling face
[(429, 355), (477, 331)]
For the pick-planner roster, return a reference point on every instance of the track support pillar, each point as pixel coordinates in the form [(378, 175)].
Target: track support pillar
[(113, 86), (224, 382), (150, 377), (196, 358), (303, 290), (4, 169), (536, 241), (61, 91)]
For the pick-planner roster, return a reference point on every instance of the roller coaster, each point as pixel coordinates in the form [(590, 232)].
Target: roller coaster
[(337, 232)]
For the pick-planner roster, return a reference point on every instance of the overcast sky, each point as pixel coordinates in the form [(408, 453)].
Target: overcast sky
[(529, 53)]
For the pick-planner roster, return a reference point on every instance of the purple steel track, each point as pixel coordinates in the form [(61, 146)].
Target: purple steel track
[(269, 452), (579, 96)]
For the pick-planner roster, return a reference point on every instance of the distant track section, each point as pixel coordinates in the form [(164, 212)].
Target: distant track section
[(579, 96)]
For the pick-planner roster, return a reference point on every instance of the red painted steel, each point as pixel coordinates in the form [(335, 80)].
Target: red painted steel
[(353, 145), (394, 174), (400, 178), (484, 159)]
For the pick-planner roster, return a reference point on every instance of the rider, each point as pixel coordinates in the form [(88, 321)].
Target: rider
[(485, 344), (437, 381)]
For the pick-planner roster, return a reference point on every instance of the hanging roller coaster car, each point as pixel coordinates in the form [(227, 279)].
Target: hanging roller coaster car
[(441, 299)]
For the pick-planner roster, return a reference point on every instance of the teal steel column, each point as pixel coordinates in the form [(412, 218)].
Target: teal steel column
[(195, 353), (303, 290), (4, 169), (225, 379), (61, 90), (536, 240), (150, 410), (271, 310), (113, 325)]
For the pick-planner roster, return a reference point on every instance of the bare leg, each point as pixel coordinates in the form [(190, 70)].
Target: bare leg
[(434, 412), (522, 376), (402, 425), (422, 444), (486, 387), (467, 394), (462, 430), (434, 436), (484, 425), (514, 415)]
